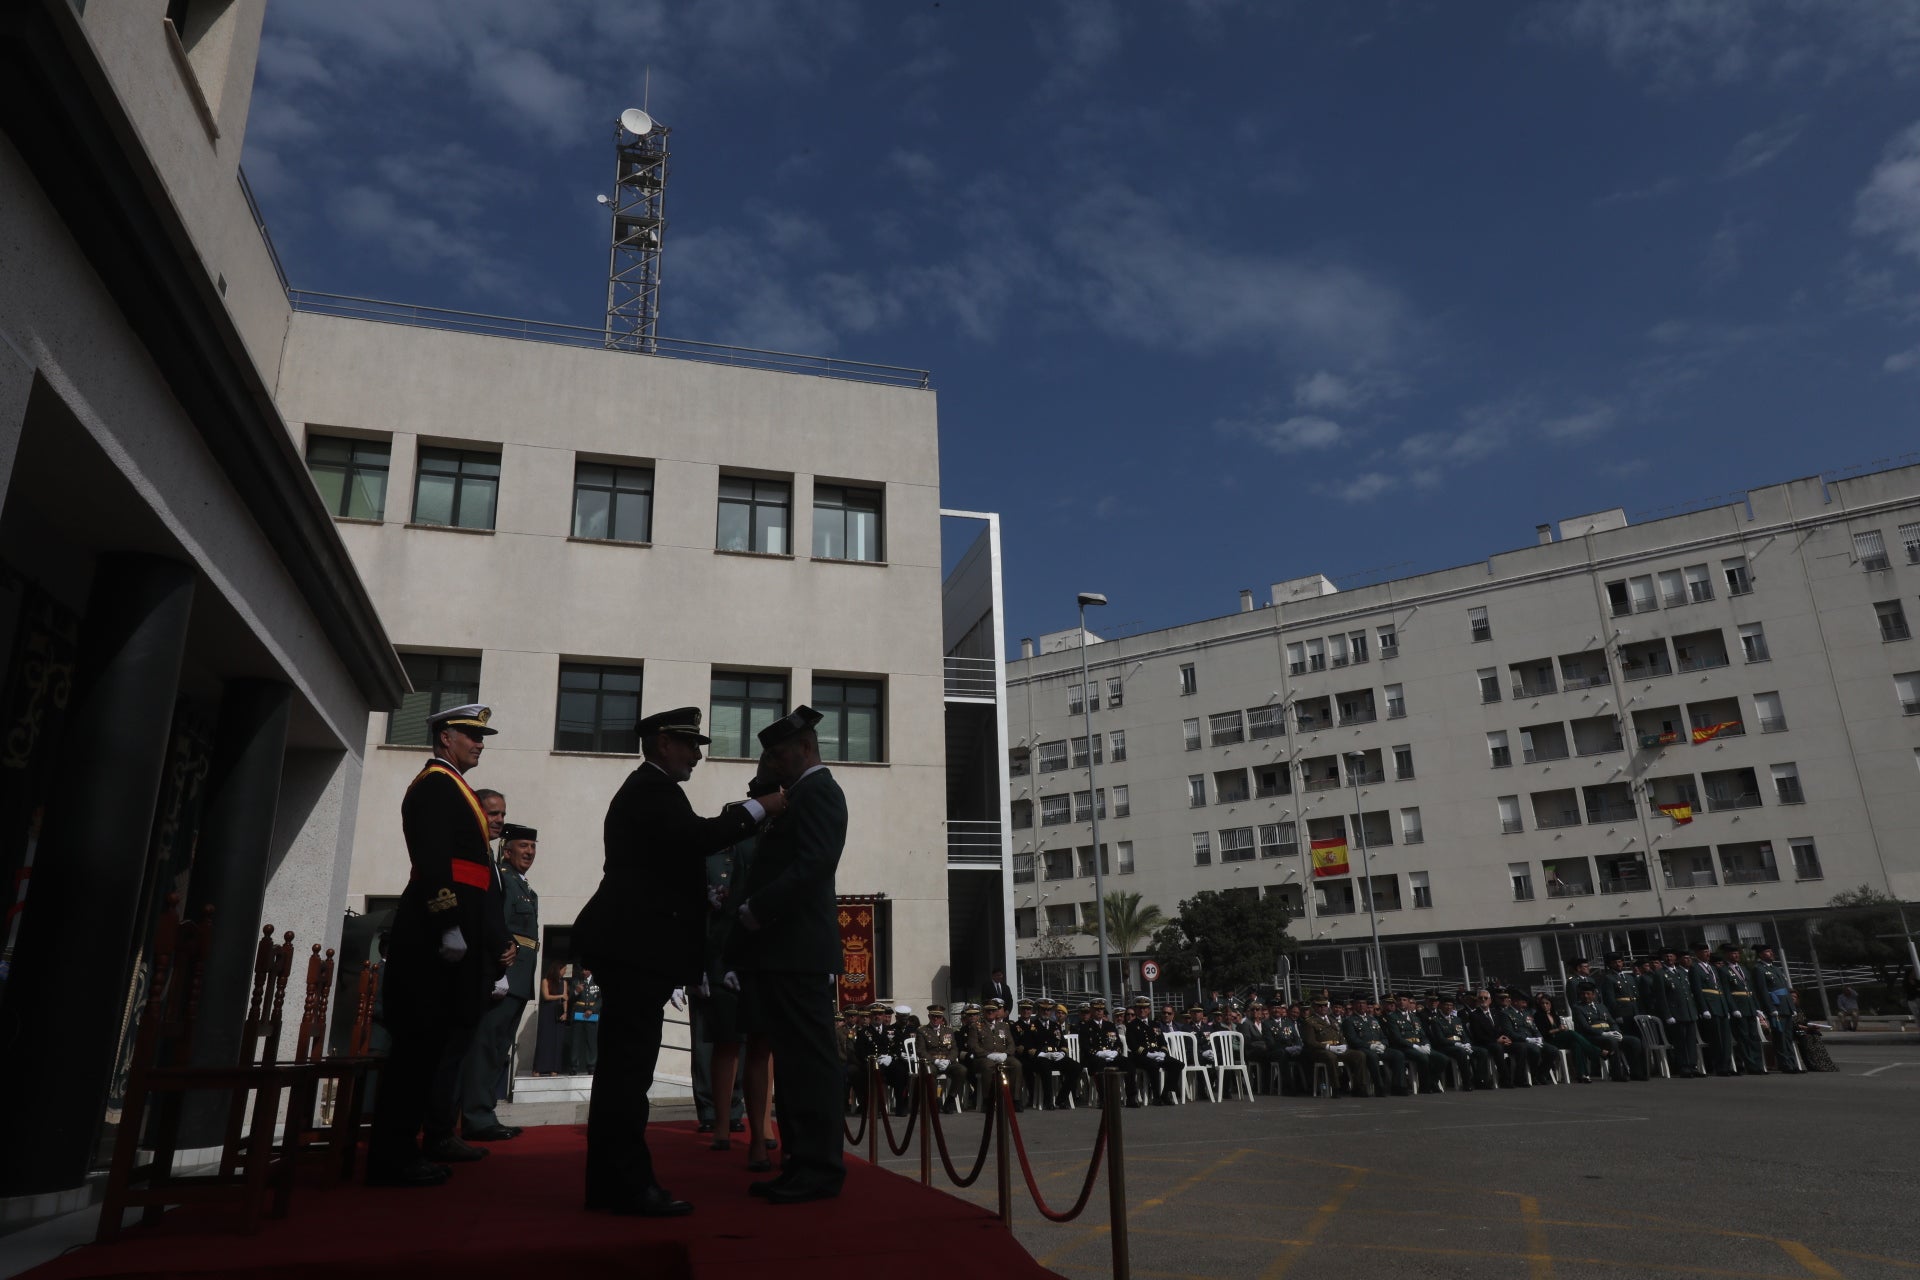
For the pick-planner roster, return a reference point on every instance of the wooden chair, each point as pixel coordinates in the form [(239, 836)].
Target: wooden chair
[(163, 1074), (348, 1071)]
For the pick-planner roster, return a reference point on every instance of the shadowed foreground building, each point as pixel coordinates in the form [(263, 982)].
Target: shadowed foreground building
[(1701, 726)]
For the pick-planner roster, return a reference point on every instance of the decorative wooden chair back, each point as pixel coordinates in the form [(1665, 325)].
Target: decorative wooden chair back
[(312, 1044), (165, 1037), (360, 1043), (272, 963)]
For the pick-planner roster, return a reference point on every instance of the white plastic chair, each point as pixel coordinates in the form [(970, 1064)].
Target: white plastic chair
[(1185, 1046), (1653, 1042), (1230, 1058), (1073, 1051)]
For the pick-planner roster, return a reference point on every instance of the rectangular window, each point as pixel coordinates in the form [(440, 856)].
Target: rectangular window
[(351, 475), (1265, 722), (1478, 625), (1080, 752), (1113, 691), (1497, 750), (1197, 791), (1189, 682), (456, 487), (1230, 786), (1645, 599), (1735, 572), (1770, 711), (1870, 550), (1022, 815), (1024, 922), (1489, 684), (1699, 583), (742, 705), (1396, 702), (1055, 810), (1296, 658), (1357, 643), (1337, 651), (1272, 780), (1316, 655), (1122, 802), (755, 515), (1123, 858), (1059, 866), (1224, 728), (1753, 642), (853, 724), (1806, 859), (846, 523), (1533, 952), (1074, 706), (1411, 831), (1053, 757), (612, 503), (1429, 952), (1510, 815), (599, 709), (1202, 849), (1422, 887), (1119, 740), (1277, 840), (439, 681), (1023, 868), (1910, 540), (1084, 802), (1893, 621), (1673, 588), (1520, 875), (1060, 919), (1236, 844), (1389, 641), (1192, 729), (1619, 604), (1403, 763), (1019, 760), (1786, 784)]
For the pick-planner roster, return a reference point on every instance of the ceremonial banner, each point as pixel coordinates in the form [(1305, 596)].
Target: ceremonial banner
[(856, 917), (1707, 733), (1330, 856), (1681, 814)]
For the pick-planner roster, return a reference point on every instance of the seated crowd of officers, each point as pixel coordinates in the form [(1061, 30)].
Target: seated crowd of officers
[(1707, 1011)]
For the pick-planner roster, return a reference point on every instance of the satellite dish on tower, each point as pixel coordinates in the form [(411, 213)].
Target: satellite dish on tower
[(636, 122)]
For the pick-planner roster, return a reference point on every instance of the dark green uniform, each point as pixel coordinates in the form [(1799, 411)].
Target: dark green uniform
[(1409, 1039), (1775, 994), (1448, 1036), (1679, 1018), (1744, 1011), (1386, 1067), (1622, 1050), (492, 1046), (1527, 1057), (1704, 981), (1620, 993)]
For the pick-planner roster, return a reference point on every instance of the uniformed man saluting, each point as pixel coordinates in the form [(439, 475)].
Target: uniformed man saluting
[(643, 933), (443, 950)]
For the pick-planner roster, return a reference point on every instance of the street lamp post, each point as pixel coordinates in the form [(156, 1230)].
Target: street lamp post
[(1356, 760), (1093, 798)]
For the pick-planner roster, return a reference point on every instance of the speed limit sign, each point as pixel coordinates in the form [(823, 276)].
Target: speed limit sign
[(1150, 971)]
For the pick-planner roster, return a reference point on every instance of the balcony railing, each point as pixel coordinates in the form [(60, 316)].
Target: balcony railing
[(1558, 818), (1778, 724), (1336, 909), (1538, 689), (1388, 650), (572, 335), (1602, 747), (1414, 837), (1690, 880), (1569, 889), (1788, 790), (1359, 715), (1750, 875), (1625, 884), (1705, 662), (973, 843), (1609, 812), (1367, 777), (1511, 826), (1535, 755), (972, 678), (1645, 670), (1745, 800), (1322, 784), (1574, 683), (1396, 710)]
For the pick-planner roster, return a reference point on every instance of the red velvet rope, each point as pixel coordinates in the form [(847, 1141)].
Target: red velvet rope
[(986, 1138), (857, 1136), (1026, 1170), (913, 1116)]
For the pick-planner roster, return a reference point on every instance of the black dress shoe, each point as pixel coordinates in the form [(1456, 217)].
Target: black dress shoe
[(421, 1173), (493, 1133), (706, 1126), (736, 1126), (768, 1187), (759, 1166), (454, 1151), (654, 1202), (802, 1192)]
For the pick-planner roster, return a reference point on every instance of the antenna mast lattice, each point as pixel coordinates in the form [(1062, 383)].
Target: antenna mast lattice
[(639, 222)]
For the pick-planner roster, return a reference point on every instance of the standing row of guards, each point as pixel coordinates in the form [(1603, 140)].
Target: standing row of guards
[(1695, 1014)]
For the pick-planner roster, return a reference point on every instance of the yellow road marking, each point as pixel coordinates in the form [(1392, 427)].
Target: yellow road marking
[(1539, 1262), (1102, 1229), (1807, 1258), (1876, 1257), (1316, 1224)]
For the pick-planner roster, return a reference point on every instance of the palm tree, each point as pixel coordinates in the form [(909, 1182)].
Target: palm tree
[(1128, 925)]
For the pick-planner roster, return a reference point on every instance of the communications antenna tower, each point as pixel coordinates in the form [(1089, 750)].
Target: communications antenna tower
[(638, 207)]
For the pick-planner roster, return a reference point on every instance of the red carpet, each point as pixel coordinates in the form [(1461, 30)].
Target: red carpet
[(518, 1213)]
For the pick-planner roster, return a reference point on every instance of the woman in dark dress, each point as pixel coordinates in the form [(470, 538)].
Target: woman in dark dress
[(722, 1026), (1582, 1057), (552, 1018)]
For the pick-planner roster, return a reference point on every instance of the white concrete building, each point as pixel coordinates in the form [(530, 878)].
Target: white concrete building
[(1527, 729)]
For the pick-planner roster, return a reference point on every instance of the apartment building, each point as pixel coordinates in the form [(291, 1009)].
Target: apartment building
[(1702, 726)]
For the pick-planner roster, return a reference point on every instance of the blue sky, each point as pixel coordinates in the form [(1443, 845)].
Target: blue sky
[(1214, 294)]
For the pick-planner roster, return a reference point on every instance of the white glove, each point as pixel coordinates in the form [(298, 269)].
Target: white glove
[(886, 1059), (453, 945), (942, 1063), (500, 989), (1054, 1055), (706, 992), (1669, 1021), (1423, 1048), (1107, 1055), (1157, 1056), (1534, 1041), (992, 1057), (730, 980), (1293, 1048), (678, 999), (1706, 1014), (1338, 1048)]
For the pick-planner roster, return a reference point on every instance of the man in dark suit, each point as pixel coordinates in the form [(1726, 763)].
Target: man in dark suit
[(444, 947), (997, 989), (642, 934), (784, 956), (492, 1046), (1489, 1038)]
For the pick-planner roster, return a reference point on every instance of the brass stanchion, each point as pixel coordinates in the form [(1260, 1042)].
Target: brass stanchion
[(927, 1104), (1004, 1165), (1110, 1091), (876, 1098)]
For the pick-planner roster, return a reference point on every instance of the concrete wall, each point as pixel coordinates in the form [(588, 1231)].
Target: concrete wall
[(525, 596)]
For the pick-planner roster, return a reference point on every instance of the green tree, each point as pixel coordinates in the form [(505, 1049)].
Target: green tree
[(1865, 934), (1230, 940), (1128, 925)]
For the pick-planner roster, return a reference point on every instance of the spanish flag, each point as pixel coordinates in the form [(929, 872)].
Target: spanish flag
[(1681, 813), (1330, 856), (1707, 733)]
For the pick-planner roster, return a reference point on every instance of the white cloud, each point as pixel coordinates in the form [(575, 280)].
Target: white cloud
[(1367, 486), (1762, 147), (1902, 361), (1297, 434), (535, 94), (917, 167), (1725, 250), (1583, 424), (1889, 205), (1324, 390)]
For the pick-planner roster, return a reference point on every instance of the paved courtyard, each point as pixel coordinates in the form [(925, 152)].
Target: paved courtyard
[(1776, 1176)]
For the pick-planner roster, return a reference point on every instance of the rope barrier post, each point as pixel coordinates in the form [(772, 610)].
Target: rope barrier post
[(1004, 1163), (876, 1098), (927, 1103), (1110, 1091)]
